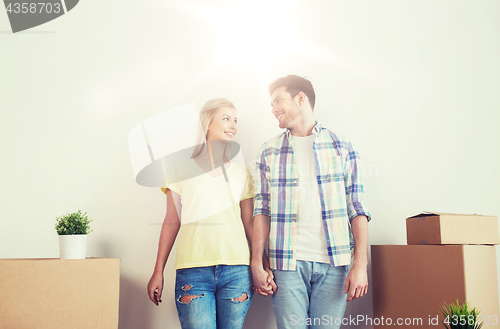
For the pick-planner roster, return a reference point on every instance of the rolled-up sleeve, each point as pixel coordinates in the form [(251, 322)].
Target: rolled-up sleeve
[(354, 189), (262, 197)]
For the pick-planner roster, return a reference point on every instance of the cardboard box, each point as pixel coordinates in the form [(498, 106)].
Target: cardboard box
[(413, 282), (441, 228), (54, 293)]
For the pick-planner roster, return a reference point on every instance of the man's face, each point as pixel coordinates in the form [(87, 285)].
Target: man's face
[(284, 108)]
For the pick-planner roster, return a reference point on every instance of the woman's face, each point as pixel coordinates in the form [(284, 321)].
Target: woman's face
[(223, 124)]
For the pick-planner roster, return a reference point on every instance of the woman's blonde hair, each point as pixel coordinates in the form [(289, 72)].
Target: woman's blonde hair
[(207, 113)]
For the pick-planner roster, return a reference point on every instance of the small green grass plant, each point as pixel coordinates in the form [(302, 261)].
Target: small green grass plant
[(461, 316), (74, 223)]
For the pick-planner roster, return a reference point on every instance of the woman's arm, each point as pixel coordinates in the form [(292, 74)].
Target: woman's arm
[(169, 230), (246, 207)]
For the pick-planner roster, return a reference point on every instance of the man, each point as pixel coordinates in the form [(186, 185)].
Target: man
[(309, 204)]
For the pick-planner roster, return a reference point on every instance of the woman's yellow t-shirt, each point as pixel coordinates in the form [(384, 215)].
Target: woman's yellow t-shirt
[(211, 230)]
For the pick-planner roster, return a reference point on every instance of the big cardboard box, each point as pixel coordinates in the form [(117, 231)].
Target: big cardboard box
[(54, 293), (413, 282), (441, 228)]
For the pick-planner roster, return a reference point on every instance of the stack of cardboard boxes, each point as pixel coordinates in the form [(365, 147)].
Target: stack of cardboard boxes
[(448, 257)]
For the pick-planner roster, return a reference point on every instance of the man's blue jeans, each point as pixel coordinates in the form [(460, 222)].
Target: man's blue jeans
[(213, 296), (312, 296)]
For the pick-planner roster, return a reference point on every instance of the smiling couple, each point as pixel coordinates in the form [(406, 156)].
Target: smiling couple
[(312, 221)]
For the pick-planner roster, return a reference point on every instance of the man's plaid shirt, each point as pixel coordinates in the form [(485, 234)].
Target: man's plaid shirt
[(340, 190)]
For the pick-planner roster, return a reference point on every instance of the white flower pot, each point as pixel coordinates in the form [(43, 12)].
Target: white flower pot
[(73, 246)]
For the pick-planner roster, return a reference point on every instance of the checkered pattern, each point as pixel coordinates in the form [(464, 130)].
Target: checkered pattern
[(340, 189)]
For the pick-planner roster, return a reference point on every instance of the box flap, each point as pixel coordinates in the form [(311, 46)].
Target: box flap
[(437, 213), (425, 214)]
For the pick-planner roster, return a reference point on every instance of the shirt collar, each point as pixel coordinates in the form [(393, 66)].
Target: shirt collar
[(316, 130)]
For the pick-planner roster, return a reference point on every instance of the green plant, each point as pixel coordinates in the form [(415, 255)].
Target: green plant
[(74, 223), (460, 316)]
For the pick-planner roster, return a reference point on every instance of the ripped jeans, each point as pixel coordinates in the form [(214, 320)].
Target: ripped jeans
[(213, 296)]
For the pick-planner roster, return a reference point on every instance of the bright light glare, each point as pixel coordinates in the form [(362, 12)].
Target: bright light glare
[(254, 34)]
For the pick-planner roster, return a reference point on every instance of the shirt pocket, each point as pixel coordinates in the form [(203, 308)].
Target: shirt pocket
[(334, 176), (281, 183)]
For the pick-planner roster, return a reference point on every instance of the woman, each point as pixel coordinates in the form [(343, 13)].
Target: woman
[(213, 198)]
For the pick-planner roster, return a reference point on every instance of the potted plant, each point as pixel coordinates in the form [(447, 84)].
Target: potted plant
[(73, 229), (460, 316)]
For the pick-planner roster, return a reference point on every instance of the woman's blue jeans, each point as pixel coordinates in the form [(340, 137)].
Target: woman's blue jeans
[(213, 296)]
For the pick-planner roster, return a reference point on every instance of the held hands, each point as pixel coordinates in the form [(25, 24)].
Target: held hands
[(155, 288), (263, 281), (357, 282)]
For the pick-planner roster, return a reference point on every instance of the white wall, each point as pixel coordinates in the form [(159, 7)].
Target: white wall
[(414, 84)]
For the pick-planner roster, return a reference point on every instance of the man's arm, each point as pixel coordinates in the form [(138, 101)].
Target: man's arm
[(262, 277), (357, 279)]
